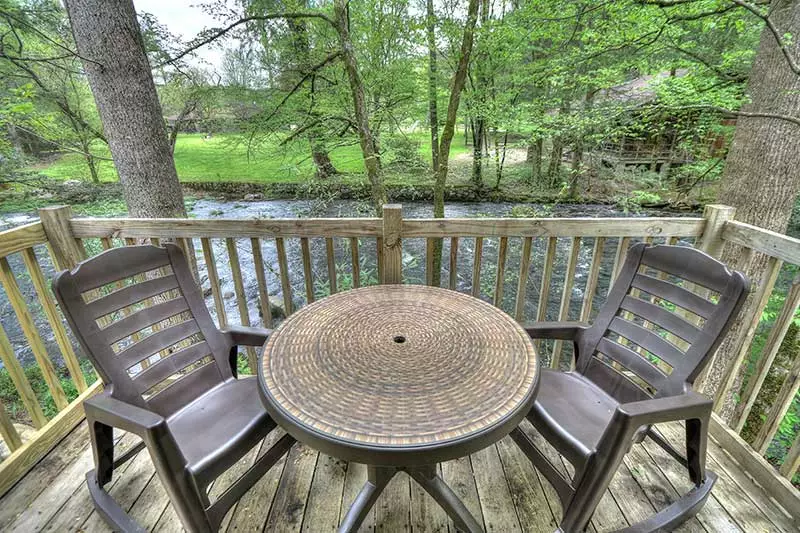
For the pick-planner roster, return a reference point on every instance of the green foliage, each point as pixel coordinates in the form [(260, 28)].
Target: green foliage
[(11, 399), (634, 200)]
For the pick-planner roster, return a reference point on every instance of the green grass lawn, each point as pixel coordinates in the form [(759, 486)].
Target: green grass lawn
[(224, 157)]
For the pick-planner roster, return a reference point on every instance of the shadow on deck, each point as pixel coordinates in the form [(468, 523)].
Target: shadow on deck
[(308, 491)]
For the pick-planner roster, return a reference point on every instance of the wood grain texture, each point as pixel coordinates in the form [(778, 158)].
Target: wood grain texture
[(500, 275), (761, 240), (26, 322), (20, 381), (390, 254), (67, 250), (331, 259), (308, 276), (53, 318), (261, 279), (477, 256), (18, 463), (16, 239), (453, 266), (223, 228), (213, 279), (522, 284), (354, 261), (552, 227), (566, 296), (8, 431), (283, 268), (241, 298)]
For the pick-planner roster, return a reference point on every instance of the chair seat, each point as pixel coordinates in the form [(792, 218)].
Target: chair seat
[(209, 429), (572, 413)]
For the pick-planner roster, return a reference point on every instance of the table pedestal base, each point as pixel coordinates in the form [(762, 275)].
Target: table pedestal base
[(379, 476)]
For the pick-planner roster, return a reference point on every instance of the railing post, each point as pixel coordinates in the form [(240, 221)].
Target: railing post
[(67, 250), (392, 243), (711, 240)]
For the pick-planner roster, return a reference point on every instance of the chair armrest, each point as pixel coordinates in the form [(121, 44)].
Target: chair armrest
[(108, 410), (684, 406), (566, 331), (246, 336)]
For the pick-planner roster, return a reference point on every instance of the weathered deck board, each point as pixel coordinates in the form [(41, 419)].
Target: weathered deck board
[(308, 491)]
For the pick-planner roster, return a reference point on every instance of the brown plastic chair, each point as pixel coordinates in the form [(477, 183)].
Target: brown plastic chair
[(634, 367), (170, 378)]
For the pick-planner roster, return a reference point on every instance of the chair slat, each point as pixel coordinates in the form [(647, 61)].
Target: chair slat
[(261, 278), (143, 318), (129, 262), (184, 389), (166, 366), (28, 326), (662, 318), (633, 362), (648, 340), (131, 294), (156, 342), (703, 270), (674, 294)]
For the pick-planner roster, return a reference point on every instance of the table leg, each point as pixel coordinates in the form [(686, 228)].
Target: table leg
[(377, 479), (427, 477)]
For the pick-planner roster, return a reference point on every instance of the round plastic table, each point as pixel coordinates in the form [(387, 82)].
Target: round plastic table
[(400, 378)]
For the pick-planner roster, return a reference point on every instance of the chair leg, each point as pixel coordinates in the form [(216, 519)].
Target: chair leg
[(102, 438), (696, 445)]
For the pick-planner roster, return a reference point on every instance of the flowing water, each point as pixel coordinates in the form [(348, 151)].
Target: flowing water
[(413, 260)]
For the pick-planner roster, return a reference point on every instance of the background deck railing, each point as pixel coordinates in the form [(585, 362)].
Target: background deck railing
[(533, 268)]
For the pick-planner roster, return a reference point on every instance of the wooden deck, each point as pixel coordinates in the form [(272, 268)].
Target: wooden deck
[(308, 491)]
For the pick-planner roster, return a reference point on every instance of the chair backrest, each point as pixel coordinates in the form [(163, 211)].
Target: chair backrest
[(664, 318), (141, 318)]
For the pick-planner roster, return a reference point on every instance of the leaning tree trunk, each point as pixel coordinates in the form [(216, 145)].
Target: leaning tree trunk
[(433, 111), (761, 177), (456, 86), (534, 157), (368, 150), (109, 41)]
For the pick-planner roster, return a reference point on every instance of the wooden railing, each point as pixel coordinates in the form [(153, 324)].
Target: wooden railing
[(533, 268)]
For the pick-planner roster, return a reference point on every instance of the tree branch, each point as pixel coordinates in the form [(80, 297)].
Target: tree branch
[(216, 33), (774, 31)]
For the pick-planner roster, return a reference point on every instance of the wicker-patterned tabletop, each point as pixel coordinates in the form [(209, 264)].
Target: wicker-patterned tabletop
[(398, 367)]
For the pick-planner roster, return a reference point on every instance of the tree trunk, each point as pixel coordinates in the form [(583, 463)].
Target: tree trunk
[(322, 160), (368, 150), (456, 86), (555, 159), (108, 39), (534, 157), (477, 153), (433, 112), (761, 178)]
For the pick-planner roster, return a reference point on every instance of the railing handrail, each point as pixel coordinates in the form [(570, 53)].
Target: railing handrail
[(63, 234)]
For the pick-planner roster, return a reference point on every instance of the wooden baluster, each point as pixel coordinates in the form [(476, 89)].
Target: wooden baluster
[(544, 290), (213, 279), (356, 265), (524, 268), (49, 308), (453, 263), (331, 255), (745, 338), (476, 267), (619, 259), (283, 268), (106, 243), (8, 431), (263, 290), (20, 381), (566, 296), (501, 271), (792, 460), (29, 329), (187, 245), (780, 406), (430, 246), (379, 257), (241, 298), (774, 340), (308, 277), (155, 241), (591, 282)]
